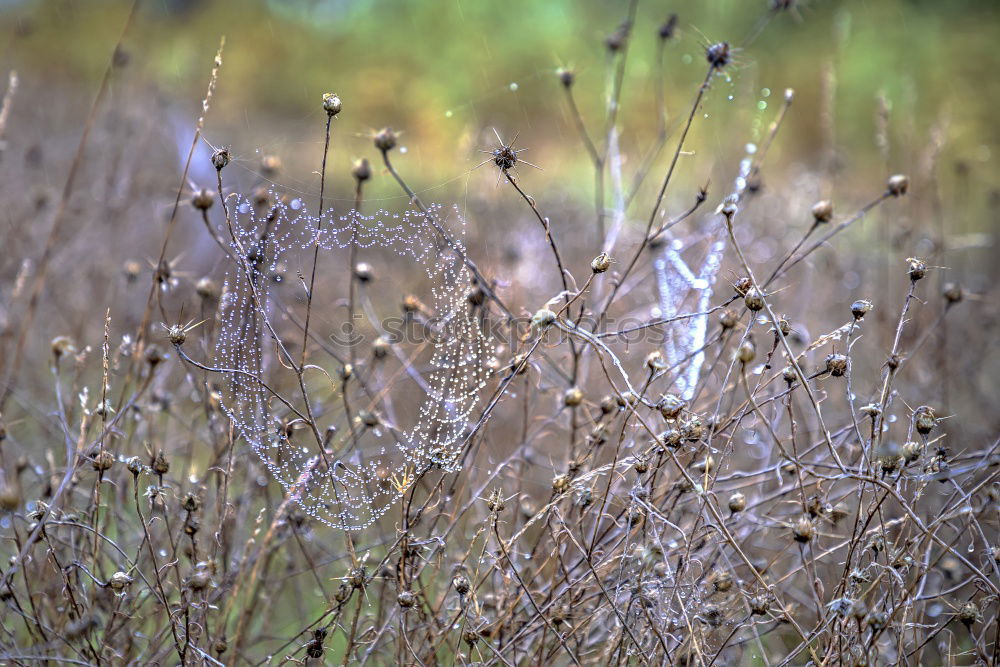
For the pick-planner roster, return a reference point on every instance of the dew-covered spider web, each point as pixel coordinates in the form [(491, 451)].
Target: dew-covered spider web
[(347, 449)]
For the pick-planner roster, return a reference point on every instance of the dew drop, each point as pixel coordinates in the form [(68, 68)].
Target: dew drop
[(514, 87), (762, 105), (448, 113)]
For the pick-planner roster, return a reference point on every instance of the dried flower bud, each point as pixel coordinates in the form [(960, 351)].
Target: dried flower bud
[(743, 285), (385, 139), (668, 27), (61, 346), (203, 199), (134, 465), (728, 319), (898, 185), (718, 55), (160, 464), (671, 438), (911, 451), (737, 502), (609, 404), (566, 76), (191, 502), (655, 361), (759, 605), (461, 584), (364, 272), (406, 599), (362, 170), (804, 531), (176, 334), (380, 348), (601, 263), (746, 351), (968, 614), (573, 397), (721, 580), (103, 460), (560, 484), (836, 364), (822, 211), (331, 104)]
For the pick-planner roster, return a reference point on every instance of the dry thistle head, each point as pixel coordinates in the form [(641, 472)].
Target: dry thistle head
[(898, 185), (331, 104), (860, 308), (924, 419), (560, 484), (754, 300), (718, 55), (804, 531), (62, 346), (911, 451), (160, 464), (952, 293), (721, 580), (601, 263), (385, 139), (103, 461), (406, 599), (361, 170), (461, 584), (822, 211), (968, 614), (543, 319), (916, 268), (671, 406), (668, 27), (836, 364)]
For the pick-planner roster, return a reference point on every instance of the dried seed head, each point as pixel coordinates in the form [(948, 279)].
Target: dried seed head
[(560, 484), (759, 605), (721, 580), (176, 334), (911, 451), (380, 348), (221, 158), (916, 268), (566, 76), (461, 584), (822, 211), (131, 269), (103, 460), (200, 579), (609, 404), (160, 464), (924, 419), (119, 581), (718, 55), (655, 361), (10, 497), (860, 308), (737, 502), (385, 139), (836, 364), (952, 293), (728, 319), (754, 300), (601, 263), (470, 636), (642, 465), (357, 577), (743, 285), (898, 185), (616, 40), (134, 465), (804, 531), (671, 406), (968, 614), (364, 272), (61, 346), (154, 355), (693, 429), (406, 599), (573, 397), (368, 418), (191, 502), (543, 319), (207, 290), (361, 170), (783, 326), (203, 199), (671, 438), (331, 104), (668, 27), (746, 351)]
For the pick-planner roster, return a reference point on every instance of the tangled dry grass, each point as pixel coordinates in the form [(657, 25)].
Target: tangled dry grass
[(809, 477)]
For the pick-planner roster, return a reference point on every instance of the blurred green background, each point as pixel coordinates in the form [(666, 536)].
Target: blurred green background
[(446, 72)]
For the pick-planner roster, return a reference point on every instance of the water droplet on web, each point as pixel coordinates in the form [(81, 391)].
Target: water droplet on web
[(706, 115), (730, 98), (751, 149), (514, 87), (686, 59), (404, 149), (761, 105), (244, 208), (448, 113), (766, 92)]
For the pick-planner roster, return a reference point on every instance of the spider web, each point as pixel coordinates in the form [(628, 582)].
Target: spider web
[(340, 469)]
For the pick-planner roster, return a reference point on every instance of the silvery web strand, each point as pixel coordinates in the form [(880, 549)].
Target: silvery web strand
[(346, 486)]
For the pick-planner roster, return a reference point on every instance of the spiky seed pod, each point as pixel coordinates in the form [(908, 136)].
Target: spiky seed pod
[(728, 319), (642, 466), (893, 361), (363, 272), (671, 406), (572, 397), (836, 364), (783, 326), (406, 599), (332, 104), (860, 308), (357, 578), (804, 531), (103, 460), (385, 139), (737, 502), (221, 158), (754, 300), (898, 185), (203, 199), (916, 268), (361, 170), (176, 335), (566, 76), (822, 211), (601, 263), (191, 502), (924, 419), (952, 293)]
